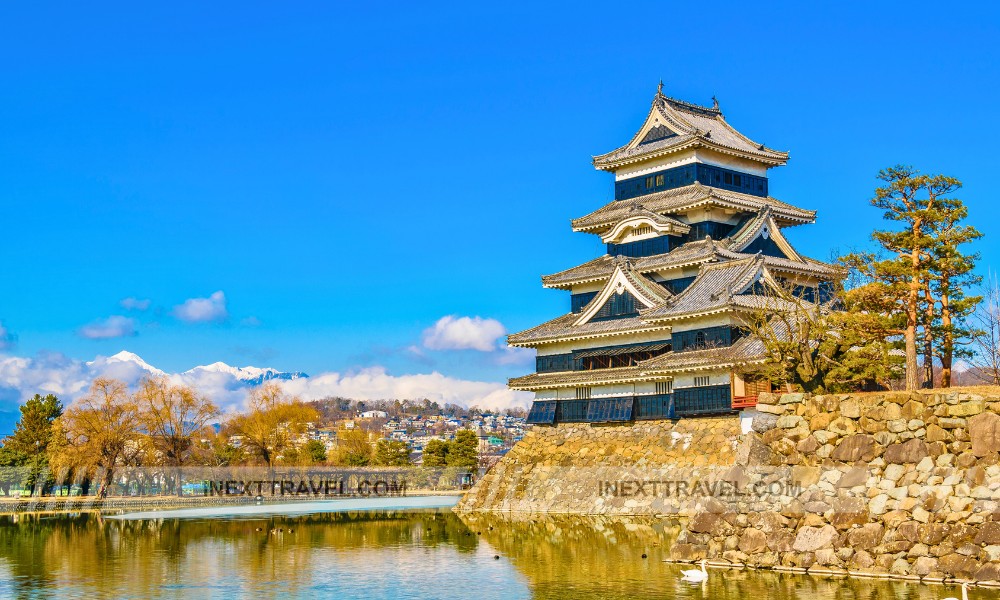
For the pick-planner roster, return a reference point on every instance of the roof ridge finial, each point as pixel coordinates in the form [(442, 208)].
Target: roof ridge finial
[(715, 103), (659, 88)]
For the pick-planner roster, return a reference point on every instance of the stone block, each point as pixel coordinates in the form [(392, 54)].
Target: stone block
[(791, 398), (912, 451), (842, 426), (988, 534), (853, 477), (811, 539), (854, 448), (789, 421), (936, 434), (850, 408), (866, 537), (984, 431), (862, 559), (763, 421), (688, 551), (752, 541), (967, 409)]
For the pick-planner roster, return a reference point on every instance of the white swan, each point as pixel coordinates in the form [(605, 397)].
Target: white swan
[(696, 575), (965, 592)]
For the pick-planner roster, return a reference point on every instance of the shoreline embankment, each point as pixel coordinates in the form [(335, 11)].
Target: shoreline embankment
[(896, 484)]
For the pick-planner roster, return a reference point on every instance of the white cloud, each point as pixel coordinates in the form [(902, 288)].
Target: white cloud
[(114, 326), (464, 333), (203, 310), (375, 383), (131, 303), (7, 338), (22, 377)]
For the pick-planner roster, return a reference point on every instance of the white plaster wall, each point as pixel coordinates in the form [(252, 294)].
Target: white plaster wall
[(592, 286), (721, 215), (703, 322), (714, 378)]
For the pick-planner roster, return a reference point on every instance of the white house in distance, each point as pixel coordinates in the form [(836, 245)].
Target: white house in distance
[(693, 235)]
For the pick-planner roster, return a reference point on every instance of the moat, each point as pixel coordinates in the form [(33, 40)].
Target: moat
[(425, 553)]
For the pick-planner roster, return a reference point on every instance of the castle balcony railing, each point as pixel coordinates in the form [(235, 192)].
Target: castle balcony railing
[(743, 402)]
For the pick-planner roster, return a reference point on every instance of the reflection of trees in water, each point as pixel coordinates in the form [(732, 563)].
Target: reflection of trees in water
[(577, 556), (104, 554)]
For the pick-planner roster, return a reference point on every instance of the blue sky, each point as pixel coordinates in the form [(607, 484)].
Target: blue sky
[(347, 175)]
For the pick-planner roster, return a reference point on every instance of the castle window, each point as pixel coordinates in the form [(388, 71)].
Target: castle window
[(701, 381), (727, 178), (583, 393), (649, 182), (664, 387), (737, 181), (659, 180), (699, 339)]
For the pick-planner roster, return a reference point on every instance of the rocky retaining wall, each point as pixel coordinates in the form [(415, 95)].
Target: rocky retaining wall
[(564, 468), (897, 484)]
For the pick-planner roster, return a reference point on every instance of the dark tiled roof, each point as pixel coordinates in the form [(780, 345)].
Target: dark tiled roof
[(711, 290), (695, 126), (746, 349), (691, 253), (563, 328), (685, 198), (571, 378)]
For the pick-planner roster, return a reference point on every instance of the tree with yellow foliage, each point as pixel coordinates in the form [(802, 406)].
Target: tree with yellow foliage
[(99, 430), (173, 419), (272, 423)]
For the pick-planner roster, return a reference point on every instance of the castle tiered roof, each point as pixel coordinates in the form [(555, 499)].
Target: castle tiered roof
[(679, 200), (683, 263), (674, 125), (693, 253)]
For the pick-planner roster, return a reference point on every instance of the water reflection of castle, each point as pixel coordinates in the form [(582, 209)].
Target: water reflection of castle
[(693, 240)]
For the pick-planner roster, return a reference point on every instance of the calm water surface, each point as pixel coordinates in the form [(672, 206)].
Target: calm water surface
[(385, 554)]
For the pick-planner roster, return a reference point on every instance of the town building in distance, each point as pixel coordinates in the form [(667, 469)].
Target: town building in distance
[(693, 240)]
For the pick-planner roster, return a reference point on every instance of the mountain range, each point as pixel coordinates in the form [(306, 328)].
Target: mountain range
[(250, 376)]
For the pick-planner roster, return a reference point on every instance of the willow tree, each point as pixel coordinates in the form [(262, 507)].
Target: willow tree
[(172, 417), (272, 423), (100, 431)]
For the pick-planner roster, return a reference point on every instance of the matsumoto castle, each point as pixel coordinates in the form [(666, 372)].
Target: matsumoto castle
[(693, 236)]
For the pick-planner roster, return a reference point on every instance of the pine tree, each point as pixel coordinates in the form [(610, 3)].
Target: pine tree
[(435, 454), (463, 451), (921, 204), (391, 453), (951, 272), (29, 444)]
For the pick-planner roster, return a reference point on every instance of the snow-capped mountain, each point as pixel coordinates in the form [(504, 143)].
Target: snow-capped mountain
[(127, 357), (248, 375)]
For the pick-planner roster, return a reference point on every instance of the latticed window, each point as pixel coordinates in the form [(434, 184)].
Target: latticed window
[(582, 393), (664, 387), (701, 381)]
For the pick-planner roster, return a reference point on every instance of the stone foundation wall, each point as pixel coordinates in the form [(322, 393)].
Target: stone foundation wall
[(902, 484), (562, 469)]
